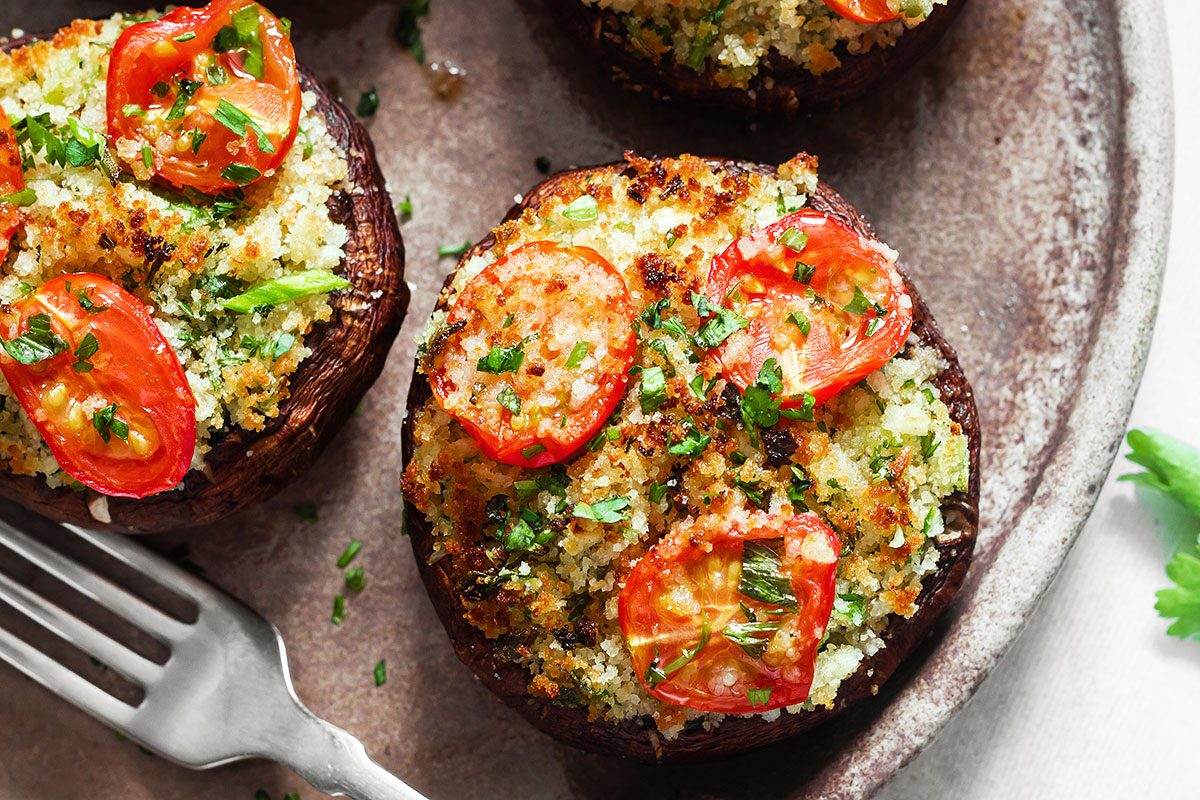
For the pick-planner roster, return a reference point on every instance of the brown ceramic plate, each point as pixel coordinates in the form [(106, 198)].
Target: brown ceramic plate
[(1016, 170)]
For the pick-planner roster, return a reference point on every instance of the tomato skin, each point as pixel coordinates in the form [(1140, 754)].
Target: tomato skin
[(149, 53), (12, 179), (134, 367), (865, 11), (551, 287), (762, 270), (702, 561)]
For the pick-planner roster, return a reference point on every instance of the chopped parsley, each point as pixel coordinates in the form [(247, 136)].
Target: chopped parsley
[(578, 354), (860, 304), (86, 302), (707, 28), (608, 510), (239, 122), (719, 327), (107, 425), (793, 239), (763, 579), (368, 103), (692, 444), (653, 319), (754, 492), (408, 30), (187, 89), (656, 675), (805, 411), (380, 673), (803, 273), (797, 486), (240, 174), (503, 359), (88, 347), (929, 445), (243, 35), (658, 491), (759, 697), (404, 209), (798, 319), (509, 399), (654, 389), (38, 343), (748, 636), (306, 511)]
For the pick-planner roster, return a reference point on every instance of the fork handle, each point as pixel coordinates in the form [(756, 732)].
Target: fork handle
[(335, 762)]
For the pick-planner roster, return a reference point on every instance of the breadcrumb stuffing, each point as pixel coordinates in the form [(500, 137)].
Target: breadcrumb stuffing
[(881, 456), (733, 38), (167, 247)]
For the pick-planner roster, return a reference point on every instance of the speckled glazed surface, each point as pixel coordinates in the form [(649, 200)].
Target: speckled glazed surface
[(1023, 171)]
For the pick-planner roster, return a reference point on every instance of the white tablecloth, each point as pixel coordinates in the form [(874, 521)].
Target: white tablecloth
[(1095, 700)]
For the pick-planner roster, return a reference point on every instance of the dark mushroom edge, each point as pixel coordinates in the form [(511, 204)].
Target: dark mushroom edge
[(348, 353), (638, 739), (781, 88)]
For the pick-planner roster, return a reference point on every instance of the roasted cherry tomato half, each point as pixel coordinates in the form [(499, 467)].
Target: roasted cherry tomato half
[(826, 303), (727, 620), (12, 180), (868, 11), (101, 384), (209, 97), (535, 353)]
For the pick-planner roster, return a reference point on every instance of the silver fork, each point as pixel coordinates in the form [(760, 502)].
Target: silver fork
[(224, 694)]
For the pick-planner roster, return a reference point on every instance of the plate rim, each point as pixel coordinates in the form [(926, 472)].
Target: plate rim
[(920, 710)]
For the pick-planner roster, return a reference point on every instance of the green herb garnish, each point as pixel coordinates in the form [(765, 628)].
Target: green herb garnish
[(107, 425), (763, 579), (582, 209), (285, 289), (38, 343), (578, 354), (349, 554), (368, 103), (88, 347), (654, 389), (509, 399), (607, 510)]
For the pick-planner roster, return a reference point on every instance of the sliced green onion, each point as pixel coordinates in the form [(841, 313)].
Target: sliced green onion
[(285, 289)]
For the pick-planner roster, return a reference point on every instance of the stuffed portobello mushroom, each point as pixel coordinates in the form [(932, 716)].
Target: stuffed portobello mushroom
[(689, 467), (770, 59), (200, 271)]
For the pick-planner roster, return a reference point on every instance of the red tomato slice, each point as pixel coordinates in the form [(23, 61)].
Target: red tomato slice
[(133, 367), (211, 95), (830, 309), (536, 352), (710, 621), (868, 11), (12, 180)]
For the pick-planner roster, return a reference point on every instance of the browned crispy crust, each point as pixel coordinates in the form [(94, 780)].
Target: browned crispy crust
[(638, 739), (244, 467), (782, 87)]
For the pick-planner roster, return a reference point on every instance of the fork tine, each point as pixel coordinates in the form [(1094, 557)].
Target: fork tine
[(122, 603), (62, 681), (146, 562), (114, 654)]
